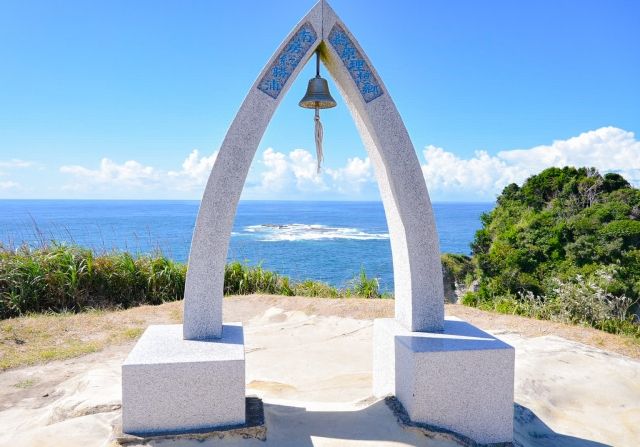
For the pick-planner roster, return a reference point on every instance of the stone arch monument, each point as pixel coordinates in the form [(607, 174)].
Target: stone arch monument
[(191, 376), (414, 242)]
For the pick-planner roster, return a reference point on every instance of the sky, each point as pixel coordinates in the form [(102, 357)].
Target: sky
[(131, 100)]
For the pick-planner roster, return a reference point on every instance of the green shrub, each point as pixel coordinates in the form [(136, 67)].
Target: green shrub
[(316, 289), (365, 287), (457, 275), (240, 279), (565, 246), (61, 278), (585, 300)]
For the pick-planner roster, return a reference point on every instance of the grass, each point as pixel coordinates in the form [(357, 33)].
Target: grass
[(61, 278), (241, 279), (40, 338), (24, 384)]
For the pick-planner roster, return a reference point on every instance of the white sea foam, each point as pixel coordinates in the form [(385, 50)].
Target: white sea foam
[(304, 232)]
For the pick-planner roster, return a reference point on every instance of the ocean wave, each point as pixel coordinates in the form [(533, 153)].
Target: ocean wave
[(304, 232)]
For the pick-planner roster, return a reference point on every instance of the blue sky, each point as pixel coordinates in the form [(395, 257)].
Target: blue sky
[(111, 99)]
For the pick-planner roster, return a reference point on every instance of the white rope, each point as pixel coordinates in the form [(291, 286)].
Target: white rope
[(319, 135)]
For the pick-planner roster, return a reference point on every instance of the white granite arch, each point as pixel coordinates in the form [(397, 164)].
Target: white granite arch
[(419, 300), (189, 378)]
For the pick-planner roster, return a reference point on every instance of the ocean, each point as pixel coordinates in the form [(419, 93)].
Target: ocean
[(326, 241)]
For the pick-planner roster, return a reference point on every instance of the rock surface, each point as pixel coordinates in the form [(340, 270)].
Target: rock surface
[(314, 374)]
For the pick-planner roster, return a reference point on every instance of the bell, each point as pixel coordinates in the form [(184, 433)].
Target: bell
[(317, 96)]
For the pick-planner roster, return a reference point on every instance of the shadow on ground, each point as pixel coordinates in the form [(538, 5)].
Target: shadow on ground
[(296, 426), (529, 430)]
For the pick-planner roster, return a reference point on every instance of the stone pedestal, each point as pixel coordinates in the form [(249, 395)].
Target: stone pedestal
[(172, 385), (460, 379)]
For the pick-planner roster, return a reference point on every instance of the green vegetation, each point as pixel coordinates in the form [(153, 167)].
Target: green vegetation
[(365, 287), (458, 267), (241, 279), (62, 278), (24, 384), (565, 246), (457, 274)]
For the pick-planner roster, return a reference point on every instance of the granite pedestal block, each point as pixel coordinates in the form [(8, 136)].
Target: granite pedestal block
[(172, 385), (460, 379)]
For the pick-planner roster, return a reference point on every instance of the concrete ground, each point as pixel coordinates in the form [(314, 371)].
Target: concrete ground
[(310, 362)]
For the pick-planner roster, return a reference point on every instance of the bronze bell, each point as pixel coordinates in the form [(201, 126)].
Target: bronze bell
[(317, 96)]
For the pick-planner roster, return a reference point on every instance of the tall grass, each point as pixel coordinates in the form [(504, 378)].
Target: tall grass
[(365, 286), (68, 278), (239, 279), (63, 278)]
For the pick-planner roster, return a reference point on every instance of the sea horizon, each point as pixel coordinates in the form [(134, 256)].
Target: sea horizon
[(241, 200)]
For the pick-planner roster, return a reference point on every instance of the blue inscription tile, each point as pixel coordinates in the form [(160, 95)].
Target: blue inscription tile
[(352, 59), (276, 77)]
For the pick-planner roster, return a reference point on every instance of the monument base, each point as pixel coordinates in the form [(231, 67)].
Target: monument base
[(172, 385), (460, 379)]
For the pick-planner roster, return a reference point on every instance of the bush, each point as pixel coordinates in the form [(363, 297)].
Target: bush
[(587, 301), (61, 278), (364, 286), (316, 289), (457, 273), (562, 246), (583, 301), (240, 279)]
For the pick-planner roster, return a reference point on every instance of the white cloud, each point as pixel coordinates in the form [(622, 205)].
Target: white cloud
[(305, 170), (296, 170), (354, 176), (479, 177), (130, 174), (296, 173), (293, 175), (133, 176), (10, 165), (15, 163), (8, 184), (483, 176), (274, 175), (609, 149), (278, 175), (195, 171)]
